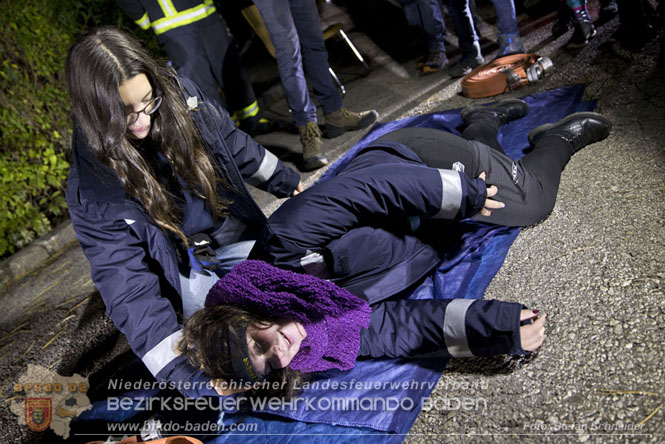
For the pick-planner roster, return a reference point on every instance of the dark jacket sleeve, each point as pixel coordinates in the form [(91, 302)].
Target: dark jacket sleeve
[(135, 11), (442, 328), (258, 166), (379, 195), (132, 295)]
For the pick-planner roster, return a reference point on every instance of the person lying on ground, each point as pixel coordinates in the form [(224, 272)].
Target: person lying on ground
[(353, 230)]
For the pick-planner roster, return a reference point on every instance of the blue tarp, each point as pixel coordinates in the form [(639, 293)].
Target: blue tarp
[(378, 400)]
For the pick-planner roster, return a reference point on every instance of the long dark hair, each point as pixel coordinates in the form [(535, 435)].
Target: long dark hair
[(201, 340), (96, 66)]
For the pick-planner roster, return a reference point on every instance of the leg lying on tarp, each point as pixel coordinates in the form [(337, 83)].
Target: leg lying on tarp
[(529, 186), (414, 174)]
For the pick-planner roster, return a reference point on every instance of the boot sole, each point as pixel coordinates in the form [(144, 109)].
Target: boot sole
[(467, 109), (427, 70), (456, 71), (585, 114), (330, 131), (573, 45), (313, 163)]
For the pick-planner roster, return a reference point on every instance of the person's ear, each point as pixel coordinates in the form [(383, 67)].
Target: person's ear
[(222, 388)]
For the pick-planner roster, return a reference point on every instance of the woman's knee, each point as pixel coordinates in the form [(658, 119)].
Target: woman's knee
[(543, 209)]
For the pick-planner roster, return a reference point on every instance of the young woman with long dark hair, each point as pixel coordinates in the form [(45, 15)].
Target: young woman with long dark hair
[(156, 193)]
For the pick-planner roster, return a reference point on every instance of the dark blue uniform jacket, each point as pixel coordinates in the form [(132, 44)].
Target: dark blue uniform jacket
[(134, 263)]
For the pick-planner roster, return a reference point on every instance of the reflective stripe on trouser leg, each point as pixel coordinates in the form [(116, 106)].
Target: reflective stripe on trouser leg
[(250, 110)]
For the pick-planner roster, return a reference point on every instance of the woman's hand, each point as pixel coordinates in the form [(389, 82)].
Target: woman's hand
[(532, 335), (490, 204), (299, 189)]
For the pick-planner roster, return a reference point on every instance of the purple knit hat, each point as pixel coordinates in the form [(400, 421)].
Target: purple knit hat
[(332, 317)]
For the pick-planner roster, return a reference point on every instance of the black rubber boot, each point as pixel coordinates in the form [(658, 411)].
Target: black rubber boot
[(578, 130), (503, 111)]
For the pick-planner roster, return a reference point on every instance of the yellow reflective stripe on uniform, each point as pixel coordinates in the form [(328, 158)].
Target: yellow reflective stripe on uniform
[(143, 22), (167, 7), (248, 111), (182, 18)]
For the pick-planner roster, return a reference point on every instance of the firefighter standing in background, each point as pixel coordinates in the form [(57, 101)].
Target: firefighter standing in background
[(201, 48)]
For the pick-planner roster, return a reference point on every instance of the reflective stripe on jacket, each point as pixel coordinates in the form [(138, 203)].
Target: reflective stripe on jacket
[(165, 15), (355, 226)]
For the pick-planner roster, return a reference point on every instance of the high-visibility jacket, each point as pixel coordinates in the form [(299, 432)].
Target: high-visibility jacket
[(165, 15)]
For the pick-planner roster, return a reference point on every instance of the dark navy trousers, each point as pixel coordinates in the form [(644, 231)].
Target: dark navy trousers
[(206, 53), (528, 187), (442, 328)]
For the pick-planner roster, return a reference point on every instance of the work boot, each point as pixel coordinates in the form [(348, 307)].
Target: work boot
[(578, 130), (471, 60), (504, 111), (509, 45), (344, 120), (434, 62), (312, 147), (584, 31)]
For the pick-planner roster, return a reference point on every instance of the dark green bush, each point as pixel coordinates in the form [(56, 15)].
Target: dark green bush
[(34, 114), (35, 136)]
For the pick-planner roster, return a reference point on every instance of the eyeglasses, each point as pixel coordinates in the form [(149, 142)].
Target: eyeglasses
[(150, 108)]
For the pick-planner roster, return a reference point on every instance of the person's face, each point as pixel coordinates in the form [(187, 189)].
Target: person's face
[(275, 345), (136, 93)]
